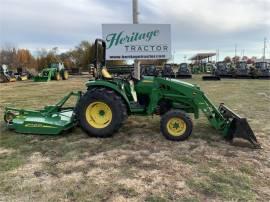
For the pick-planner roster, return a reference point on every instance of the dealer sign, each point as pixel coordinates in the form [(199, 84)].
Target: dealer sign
[(137, 41)]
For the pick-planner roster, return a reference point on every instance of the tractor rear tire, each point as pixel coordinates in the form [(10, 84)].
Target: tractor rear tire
[(65, 75), (57, 76), (176, 125), (101, 112)]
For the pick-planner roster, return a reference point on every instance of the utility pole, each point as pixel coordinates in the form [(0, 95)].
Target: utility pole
[(235, 53), (135, 11), (264, 48), (217, 55)]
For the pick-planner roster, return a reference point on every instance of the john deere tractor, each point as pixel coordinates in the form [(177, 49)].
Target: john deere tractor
[(167, 71), (108, 101), (56, 71), (242, 70), (183, 71), (224, 70), (261, 70), (149, 70)]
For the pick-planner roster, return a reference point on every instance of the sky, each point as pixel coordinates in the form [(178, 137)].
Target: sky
[(196, 25)]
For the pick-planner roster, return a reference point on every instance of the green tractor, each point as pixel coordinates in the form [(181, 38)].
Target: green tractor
[(56, 71), (108, 102)]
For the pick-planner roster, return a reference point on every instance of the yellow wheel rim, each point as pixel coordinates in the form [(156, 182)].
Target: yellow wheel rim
[(98, 115), (57, 77), (176, 126), (65, 74)]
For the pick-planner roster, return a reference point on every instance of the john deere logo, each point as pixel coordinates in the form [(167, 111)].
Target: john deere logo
[(114, 39)]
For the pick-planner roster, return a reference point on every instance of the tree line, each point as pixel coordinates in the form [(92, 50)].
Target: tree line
[(79, 57)]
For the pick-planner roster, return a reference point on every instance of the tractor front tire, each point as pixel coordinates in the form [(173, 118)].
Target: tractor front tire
[(176, 125), (101, 112)]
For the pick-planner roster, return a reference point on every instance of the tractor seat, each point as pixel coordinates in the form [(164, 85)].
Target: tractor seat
[(105, 73)]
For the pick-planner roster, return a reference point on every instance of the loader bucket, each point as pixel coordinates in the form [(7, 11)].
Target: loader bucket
[(238, 127), (211, 78), (41, 79)]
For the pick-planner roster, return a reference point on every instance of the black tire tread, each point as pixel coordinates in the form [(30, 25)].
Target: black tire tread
[(175, 113), (108, 94)]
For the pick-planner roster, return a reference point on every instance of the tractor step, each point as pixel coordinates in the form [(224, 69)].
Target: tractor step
[(136, 107)]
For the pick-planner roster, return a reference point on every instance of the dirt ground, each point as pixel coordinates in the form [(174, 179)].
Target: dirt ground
[(137, 163)]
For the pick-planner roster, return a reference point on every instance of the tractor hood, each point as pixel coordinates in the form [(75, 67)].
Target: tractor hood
[(178, 82), (184, 83)]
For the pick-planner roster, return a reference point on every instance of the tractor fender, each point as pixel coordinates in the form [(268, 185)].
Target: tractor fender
[(112, 86)]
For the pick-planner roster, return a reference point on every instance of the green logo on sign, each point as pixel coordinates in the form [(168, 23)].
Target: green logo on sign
[(115, 39)]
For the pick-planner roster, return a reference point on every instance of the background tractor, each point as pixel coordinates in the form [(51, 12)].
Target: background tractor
[(22, 74), (6, 75), (224, 70), (109, 100), (167, 71), (261, 70), (242, 70), (183, 71), (149, 70), (56, 71)]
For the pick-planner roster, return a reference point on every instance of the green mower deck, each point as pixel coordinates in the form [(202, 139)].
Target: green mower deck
[(52, 120)]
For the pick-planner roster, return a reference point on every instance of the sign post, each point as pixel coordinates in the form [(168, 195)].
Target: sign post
[(137, 69)]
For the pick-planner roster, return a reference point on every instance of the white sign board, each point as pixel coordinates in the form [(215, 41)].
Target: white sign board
[(137, 41)]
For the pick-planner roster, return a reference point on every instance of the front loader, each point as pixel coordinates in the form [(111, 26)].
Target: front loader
[(109, 100)]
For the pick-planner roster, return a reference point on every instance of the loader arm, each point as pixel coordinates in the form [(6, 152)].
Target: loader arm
[(222, 118)]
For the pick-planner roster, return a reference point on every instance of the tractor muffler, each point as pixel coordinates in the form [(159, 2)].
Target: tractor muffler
[(238, 127)]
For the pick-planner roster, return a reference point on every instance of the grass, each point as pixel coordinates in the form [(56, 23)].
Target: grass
[(137, 163), (224, 184)]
